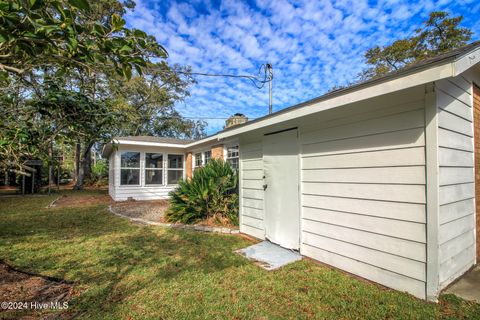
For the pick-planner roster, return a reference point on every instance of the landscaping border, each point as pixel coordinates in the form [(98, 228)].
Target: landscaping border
[(193, 227)]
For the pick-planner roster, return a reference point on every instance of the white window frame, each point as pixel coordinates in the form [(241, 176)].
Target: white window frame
[(168, 168), (227, 158), (140, 177), (204, 154), (144, 180), (196, 158)]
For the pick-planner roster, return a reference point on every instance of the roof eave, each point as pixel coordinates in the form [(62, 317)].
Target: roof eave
[(150, 143), (465, 62)]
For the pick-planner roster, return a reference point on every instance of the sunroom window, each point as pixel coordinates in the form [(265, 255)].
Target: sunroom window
[(153, 168), (175, 168), (130, 168)]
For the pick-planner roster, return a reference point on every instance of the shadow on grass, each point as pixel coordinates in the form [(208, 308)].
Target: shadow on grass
[(108, 258)]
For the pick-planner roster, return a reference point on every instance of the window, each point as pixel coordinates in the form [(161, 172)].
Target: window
[(130, 168), (208, 156), (232, 156), (153, 168), (175, 168), (198, 159)]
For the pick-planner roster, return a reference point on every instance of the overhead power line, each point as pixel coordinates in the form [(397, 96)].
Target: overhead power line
[(265, 75), (201, 118)]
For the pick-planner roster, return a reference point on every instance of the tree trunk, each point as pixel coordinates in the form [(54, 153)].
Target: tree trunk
[(50, 167), (84, 167), (87, 164), (7, 178), (77, 161)]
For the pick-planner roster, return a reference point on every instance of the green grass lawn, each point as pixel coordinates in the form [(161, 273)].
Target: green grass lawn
[(127, 271)]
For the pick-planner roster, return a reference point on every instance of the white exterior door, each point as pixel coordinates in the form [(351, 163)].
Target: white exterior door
[(281, 170)]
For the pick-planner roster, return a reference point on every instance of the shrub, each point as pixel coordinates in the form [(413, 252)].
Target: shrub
[(212, 193), (100, 169)]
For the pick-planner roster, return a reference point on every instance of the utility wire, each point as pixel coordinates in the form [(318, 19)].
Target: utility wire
[(200, 118), (265, 75)]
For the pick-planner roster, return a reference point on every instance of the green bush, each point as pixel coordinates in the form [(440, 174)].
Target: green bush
[(212, 193), (100, 169)]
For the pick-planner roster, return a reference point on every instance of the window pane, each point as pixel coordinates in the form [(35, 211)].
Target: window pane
[(198, 160), (130, 160), (175, 161), (233, 162), (153, 176), (174, 176), (130, 176), (153, 160), (208, 156), (232, 152)]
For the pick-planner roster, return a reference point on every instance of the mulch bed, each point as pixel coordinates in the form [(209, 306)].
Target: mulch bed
[(153, 210), (24, 288)]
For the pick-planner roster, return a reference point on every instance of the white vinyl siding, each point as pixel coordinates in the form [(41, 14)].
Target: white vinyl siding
[(251, 190), (363, 194), (456, 179)]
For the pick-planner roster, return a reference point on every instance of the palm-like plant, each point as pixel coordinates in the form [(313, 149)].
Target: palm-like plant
[(212, 192)]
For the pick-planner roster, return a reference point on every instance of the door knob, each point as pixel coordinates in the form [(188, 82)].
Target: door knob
[(265, 187)]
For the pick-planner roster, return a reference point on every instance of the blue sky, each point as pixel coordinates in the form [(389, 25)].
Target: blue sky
[(312, 45)]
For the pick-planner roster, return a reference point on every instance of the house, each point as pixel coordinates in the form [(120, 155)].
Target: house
[(148, 168), (377, 179)]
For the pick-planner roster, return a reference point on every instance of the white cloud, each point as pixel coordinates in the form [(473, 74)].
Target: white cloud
[(312, 45)]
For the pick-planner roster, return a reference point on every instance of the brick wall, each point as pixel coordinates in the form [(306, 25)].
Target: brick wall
[(188, 165), (476, 114), (217, 152)]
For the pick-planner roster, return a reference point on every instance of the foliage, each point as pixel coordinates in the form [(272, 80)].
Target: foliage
[(66, 34), (147, 103), (100, 170), (212, 192), (439, 34), (128, 271), (72, 73)]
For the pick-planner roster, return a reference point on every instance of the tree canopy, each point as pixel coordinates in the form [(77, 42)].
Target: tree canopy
[(72, 73), (439, 33), (65, 34)]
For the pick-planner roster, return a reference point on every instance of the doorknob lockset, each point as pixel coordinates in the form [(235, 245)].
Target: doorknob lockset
[(265, 187)]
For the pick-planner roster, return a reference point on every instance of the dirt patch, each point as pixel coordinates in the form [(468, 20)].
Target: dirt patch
[(153, 210), (81, 201), (30, 292)]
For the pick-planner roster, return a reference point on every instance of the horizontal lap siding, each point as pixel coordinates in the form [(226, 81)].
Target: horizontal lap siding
[(363, 196), (456, 179), (251, 190)]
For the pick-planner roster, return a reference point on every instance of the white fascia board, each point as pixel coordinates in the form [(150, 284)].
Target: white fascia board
[(152, 144), (213, 138), (431, 74), (466, 62)]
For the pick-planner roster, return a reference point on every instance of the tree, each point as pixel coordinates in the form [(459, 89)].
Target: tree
[(439, 34), (64, 68), (147, 103), (65, 34)]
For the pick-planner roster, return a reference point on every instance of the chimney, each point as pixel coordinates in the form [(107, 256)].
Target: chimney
[(236, 119)]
